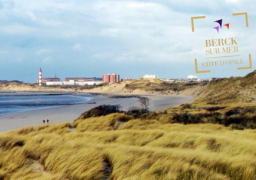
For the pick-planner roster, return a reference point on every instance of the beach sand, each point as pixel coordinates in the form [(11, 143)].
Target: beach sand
[(71, 112)]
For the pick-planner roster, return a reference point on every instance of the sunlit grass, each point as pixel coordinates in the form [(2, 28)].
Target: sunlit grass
[(139, 149)]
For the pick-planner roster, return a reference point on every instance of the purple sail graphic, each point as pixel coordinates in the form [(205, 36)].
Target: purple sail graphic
[(220, 22), (217, 28)]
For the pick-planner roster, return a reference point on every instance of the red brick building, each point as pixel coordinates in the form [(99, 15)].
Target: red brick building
[(106, 78), (111, 78)]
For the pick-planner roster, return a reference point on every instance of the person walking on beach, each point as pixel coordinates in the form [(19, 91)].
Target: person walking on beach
[(47, 120), (43, 121)]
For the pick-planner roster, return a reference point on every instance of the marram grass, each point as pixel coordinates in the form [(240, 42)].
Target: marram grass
[(139, 149)]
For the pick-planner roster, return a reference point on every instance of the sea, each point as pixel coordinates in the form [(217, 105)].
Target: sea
[(20, 102)]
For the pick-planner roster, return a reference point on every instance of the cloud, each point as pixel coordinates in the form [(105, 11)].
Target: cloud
[(4, 52), (77, 47), (102, 56), (181, 48), (156, 32), (31, 15), (19, 59), (42, 51), (232, 1), (47, 60), (141, 5)]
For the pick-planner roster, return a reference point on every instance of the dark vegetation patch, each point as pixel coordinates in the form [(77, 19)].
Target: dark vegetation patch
[(11, 142), (186, 106), (18, 143), (137, 112), (212, 109), (212, 103), (186, 118), (107, 169), (213, 145), (102, 110)]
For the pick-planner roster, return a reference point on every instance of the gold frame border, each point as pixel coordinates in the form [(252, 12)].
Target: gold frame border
[(192, 21), (206, 71), (250, 61), (246, 17)]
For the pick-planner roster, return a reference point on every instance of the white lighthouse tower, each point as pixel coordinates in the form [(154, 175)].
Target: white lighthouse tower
[(40, 77)]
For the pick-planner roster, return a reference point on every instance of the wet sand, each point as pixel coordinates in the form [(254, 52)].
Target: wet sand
[(71, 112)]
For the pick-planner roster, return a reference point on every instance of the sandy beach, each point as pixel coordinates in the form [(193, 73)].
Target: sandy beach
[(71, 112)]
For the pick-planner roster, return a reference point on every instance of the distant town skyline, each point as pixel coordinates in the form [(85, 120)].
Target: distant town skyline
[(131, 38)]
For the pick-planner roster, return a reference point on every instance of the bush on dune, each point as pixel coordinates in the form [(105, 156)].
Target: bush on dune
[(100, 111), (97, 111)]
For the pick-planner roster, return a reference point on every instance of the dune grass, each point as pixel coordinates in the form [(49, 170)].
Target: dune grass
[(156, 85), (229, 90), (136, 149)]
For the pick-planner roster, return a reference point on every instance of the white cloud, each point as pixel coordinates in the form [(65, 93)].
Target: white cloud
[(141, 5), (77, 47), (231, 1), (125, 31), (4, 52), (43, 51), (19, 59), (18, 29), (31, 15), (102, 56), (47, 60)]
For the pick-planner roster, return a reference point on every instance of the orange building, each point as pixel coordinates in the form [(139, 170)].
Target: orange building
[(106, 78), (111, 78), (117, 78)]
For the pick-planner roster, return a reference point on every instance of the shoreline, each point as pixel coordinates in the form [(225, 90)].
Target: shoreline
[(68, 113)]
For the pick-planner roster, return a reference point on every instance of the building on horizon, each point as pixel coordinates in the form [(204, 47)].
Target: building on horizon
[(54, 83), (192, 77), (110, 78), (44, 80), (106, 78), (73, 83), (126, 79), (83, 79), (147, 76)]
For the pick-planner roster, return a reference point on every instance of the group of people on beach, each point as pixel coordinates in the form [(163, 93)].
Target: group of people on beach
[(47, 121)]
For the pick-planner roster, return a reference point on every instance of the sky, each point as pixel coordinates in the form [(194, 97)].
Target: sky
[(82, 38)]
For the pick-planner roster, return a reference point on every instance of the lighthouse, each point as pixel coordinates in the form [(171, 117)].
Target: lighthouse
[(40, 77)]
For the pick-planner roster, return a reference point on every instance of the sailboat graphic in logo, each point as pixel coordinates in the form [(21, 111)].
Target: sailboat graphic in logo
[(220, 25)]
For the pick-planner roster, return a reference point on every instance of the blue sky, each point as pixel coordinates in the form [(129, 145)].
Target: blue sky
[(81, 38)]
